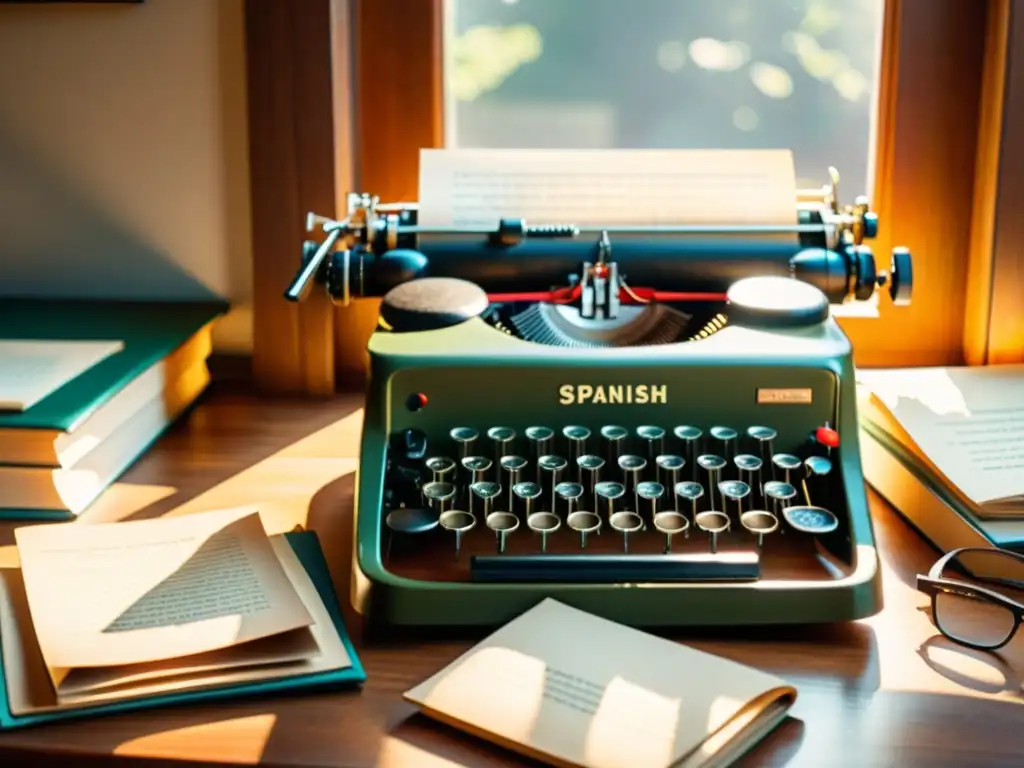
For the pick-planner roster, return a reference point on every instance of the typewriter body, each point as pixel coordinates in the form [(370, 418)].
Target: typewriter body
[(657, 425)]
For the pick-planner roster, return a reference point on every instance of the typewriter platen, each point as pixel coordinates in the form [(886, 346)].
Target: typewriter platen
[(657, 425)]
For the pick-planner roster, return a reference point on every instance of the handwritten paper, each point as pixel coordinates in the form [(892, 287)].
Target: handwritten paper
[(478, 187)]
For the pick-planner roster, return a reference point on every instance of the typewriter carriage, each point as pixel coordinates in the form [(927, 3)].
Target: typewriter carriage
[(610, 307)]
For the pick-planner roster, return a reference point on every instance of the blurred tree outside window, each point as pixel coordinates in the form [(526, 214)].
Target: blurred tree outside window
[(662, 74)]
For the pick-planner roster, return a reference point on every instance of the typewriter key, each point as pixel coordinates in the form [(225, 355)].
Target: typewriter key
[(544, 523), (671, 523), (650, 492), (477, 467), (759, 523), (626, 523), (410, 520), (735, 491), (615, 439), (513, 466), (502, 438), (464, 438), (778, 491), (631, 467), (577, 437), (440, 467), (437, 494), (787, 462), (502, 523), (570, 493), (713, 522), (590, 467), (584, 523), (668, 469), (611, 492), (553, 465), (809, 519), (765, 437), (713, 465), (690, 437), (459, 523), (817, 465), (528, 492), (690, 491), (540, 444), (727, 437), (748, 465), (487, 492), (654, 437)]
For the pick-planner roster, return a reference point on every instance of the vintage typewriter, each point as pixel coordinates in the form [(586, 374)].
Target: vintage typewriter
[(654, 424)]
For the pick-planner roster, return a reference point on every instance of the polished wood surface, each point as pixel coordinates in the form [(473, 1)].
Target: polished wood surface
[(880, 692)]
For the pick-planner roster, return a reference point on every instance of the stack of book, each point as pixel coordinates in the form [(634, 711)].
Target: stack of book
[(945, 446), (85, 388)]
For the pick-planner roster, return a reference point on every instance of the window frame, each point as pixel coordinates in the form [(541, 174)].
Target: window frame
[(947, 95)]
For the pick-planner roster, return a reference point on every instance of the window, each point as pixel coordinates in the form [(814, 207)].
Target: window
[(909, 99), (657, 74)]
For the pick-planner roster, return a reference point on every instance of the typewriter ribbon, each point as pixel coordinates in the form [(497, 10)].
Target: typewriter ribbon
[(761, 521)]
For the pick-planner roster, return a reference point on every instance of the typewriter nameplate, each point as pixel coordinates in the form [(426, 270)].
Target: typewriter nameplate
[(796, 396)]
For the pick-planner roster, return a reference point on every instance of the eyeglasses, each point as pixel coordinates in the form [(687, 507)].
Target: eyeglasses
[(967, 609)]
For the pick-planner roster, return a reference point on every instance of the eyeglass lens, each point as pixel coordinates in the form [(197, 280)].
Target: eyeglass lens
[(977, 620)]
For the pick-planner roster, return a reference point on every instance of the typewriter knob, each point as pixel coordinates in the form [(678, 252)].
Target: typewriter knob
[(432, 303), (775, 302), (901, 277)]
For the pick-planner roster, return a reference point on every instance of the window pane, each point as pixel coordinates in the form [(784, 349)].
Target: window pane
[(793, 74)]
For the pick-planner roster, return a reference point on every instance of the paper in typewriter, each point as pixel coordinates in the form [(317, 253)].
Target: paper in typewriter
[(592, 188), (573, 689)]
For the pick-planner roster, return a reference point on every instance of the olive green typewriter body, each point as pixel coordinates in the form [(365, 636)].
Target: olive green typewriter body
[(778, 531)]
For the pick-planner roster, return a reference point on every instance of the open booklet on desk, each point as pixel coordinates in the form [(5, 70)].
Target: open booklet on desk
[(122, 615), (578, 691), (965, 425)]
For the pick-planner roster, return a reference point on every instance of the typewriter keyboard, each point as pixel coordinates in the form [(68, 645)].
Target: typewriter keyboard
[(479, 497)]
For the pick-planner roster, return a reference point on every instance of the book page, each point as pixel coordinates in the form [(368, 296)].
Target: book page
[(30, 370), (110, 594), (592, 188), (968, 421), (30, 689), (583, 691)]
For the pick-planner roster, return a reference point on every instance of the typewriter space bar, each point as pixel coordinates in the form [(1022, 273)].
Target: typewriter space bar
[(600, 568)]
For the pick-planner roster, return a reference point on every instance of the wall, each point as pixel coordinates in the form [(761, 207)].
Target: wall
[(124, 156)]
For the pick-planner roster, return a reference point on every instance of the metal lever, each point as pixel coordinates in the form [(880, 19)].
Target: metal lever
[(303, 282)]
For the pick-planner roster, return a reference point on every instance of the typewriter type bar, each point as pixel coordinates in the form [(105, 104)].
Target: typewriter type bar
[(611, 569)]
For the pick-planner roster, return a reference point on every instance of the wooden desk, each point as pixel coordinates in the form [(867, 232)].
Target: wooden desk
[(881, 692)]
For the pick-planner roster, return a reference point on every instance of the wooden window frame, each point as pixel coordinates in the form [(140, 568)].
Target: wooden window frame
[(340, 100)]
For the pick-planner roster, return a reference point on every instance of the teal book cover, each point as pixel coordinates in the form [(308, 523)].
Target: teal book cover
[(306, 546), (149, 331)]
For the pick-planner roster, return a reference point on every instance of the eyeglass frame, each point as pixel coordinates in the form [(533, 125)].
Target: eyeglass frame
[(934, 584)]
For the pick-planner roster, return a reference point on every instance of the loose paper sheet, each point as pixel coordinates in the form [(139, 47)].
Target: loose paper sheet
[(584, 691), (478, 187), (969, 421), (30, 688), (30, 370), (124, 593)]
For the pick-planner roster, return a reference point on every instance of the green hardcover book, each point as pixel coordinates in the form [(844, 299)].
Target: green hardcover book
[(101, 420)]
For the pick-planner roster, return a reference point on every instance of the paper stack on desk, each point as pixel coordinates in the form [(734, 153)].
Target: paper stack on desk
[(85, 388), (115, 616), (946, 447), (578, 691)]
